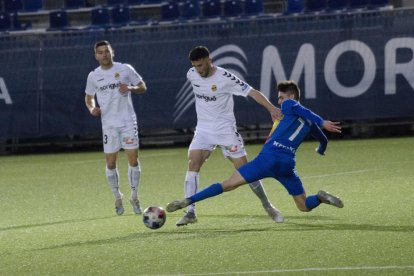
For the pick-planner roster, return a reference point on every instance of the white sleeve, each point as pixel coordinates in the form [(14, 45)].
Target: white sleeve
[(133, 76), (90, 86), (236, 86)]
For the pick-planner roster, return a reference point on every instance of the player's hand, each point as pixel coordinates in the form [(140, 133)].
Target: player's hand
[(96, 111), (124, 88), (276, 114), (332, 126)]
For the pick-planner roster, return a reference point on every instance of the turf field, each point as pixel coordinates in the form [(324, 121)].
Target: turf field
[(57, 216)]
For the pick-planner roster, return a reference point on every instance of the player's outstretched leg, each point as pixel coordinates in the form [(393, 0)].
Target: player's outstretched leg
[(177, 204), (327, 198)]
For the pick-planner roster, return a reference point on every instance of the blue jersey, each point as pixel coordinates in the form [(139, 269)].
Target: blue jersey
[(296, 124), (277, 158)]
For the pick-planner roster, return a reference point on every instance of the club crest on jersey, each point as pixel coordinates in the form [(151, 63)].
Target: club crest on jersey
[(214, 88), (117, 75)]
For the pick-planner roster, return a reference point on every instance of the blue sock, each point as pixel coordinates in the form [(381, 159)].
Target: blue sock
[(312, 201), (210, 191)]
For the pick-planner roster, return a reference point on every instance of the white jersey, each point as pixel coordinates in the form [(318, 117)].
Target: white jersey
[(116, 108), (214, 99)]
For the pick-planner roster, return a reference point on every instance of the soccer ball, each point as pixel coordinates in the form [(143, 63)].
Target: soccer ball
[(154, 217)]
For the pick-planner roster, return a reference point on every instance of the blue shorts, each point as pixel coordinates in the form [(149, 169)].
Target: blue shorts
[(279, 166)]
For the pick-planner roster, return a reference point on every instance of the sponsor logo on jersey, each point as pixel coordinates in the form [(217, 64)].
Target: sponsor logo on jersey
[(214, 88), (109, 86), (206, 98), (117, 75), (229, 56)]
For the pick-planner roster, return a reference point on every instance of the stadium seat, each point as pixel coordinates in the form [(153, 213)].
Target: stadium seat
[(295, 6), (358, 4), (114, 2), (19, 25), (191, 9), (100, 18), (336, 5), (74, 4), (170, 11), (58, 20), (233, 8), (211, 8), (253, 7), (120, 15), (5, 22), (315, 5), (32, 5), (13, 5)]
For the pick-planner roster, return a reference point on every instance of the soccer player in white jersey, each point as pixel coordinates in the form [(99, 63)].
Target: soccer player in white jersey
[(113, 83), (213, 89)]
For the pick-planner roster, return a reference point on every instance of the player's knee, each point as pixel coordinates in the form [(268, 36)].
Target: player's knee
[(111, 166)]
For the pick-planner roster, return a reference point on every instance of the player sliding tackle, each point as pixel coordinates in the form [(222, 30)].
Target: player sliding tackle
[(277, 157)]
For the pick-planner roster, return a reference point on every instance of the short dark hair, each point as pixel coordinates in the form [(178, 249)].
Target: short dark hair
[(198, 52), (102, 43), (289, 87)]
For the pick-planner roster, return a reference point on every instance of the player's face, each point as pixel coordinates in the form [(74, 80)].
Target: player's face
[(284, 96), (203, 67), (104, 55)]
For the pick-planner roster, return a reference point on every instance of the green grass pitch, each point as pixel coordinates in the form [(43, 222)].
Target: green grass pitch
[(57, 216)]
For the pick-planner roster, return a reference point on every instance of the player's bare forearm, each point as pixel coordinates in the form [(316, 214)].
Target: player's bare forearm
[(90, 104), (262, 100), (138, 89)]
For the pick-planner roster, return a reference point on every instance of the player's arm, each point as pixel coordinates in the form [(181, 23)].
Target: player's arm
[(91, 105), (318, 134), (262, 100), (138, 89)]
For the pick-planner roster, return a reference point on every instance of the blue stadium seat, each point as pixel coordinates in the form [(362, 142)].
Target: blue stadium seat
[(295, 6), (233, 8), (58, 20), (211, 8), (120, 15), (114, 2), (315, 5), (100, 18), (253, 7), (5, 22), (170, 10), (191, 9), (337, 4), (13, 5), (74, 4), (358, 4), (32, 5)]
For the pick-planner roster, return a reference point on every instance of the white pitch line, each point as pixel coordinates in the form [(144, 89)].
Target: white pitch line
[(309, 269)]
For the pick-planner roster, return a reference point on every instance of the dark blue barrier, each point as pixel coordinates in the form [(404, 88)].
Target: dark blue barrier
[(350, 67)]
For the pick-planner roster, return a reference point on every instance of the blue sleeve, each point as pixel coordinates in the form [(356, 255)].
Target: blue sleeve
[(294, 108), (318, 134)]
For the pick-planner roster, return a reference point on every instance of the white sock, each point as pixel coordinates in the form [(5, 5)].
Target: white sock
[(191, 187), (113, 180), (134, 176), (257, 188)]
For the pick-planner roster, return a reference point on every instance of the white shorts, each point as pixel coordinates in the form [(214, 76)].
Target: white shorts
[(120, 137), (231, 144)]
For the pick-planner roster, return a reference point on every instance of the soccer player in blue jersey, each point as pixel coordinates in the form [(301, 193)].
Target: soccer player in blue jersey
[(277, 157)]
